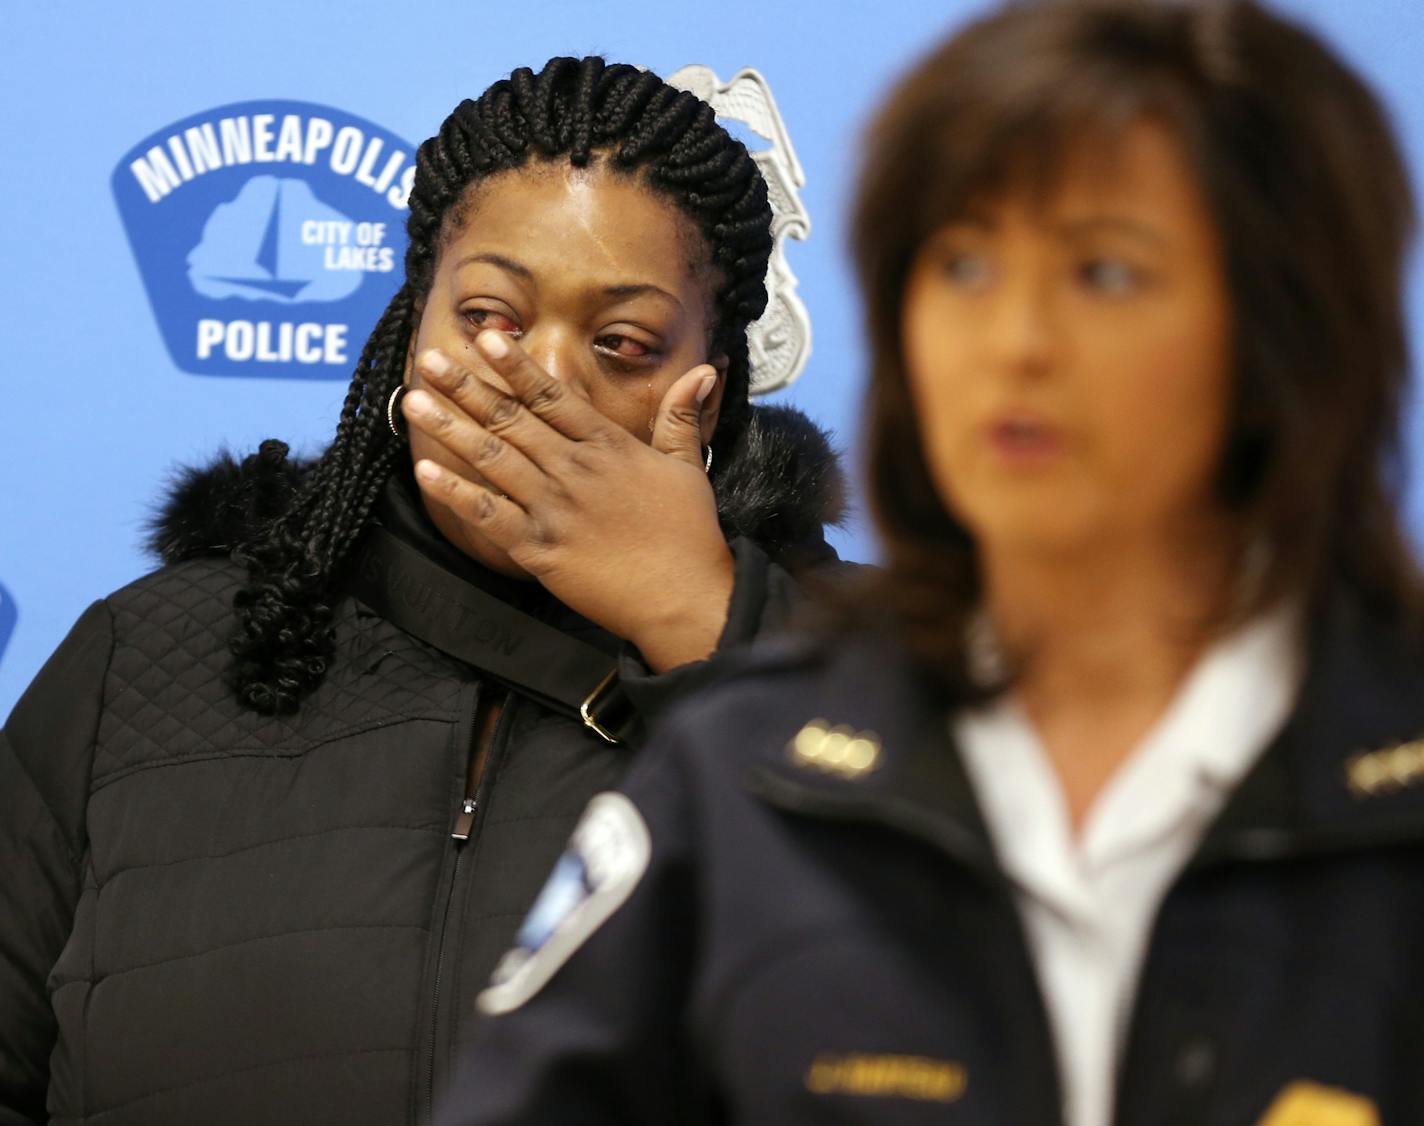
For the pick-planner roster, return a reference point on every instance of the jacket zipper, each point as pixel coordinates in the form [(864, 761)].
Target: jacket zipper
[(464, 820), (460, 834)]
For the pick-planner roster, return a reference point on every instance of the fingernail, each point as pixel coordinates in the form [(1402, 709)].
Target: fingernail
[(493, 344), (427, 470), (434, 361), (418, 402), (705, 388)]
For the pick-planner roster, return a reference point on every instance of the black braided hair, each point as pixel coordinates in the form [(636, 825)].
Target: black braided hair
[(574, 109)]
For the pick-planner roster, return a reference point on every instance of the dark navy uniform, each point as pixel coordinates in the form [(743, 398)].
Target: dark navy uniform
[(792, 913)]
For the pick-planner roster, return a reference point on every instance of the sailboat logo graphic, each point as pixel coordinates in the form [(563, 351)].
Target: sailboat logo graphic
[(269, 235), (252, 247)]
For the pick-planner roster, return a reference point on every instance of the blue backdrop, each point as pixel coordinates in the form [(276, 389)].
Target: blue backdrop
[(100, 396)]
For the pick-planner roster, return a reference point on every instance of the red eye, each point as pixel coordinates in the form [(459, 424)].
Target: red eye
[(624, 346), (481, 319)]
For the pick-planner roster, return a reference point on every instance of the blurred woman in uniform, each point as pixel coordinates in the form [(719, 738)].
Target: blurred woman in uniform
[(1107, 802)]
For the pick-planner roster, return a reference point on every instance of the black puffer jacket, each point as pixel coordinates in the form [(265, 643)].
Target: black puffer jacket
[(209, 916)]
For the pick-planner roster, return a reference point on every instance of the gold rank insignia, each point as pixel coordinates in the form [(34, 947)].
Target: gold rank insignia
[(1386, 770), (835, 749), (1304, 1103)]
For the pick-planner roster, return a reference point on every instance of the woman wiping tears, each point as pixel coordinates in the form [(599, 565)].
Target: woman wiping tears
[(270, 814)]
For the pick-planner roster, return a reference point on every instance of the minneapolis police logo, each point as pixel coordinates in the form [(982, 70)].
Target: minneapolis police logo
[(270, 235), (606, 857), (7, 619)]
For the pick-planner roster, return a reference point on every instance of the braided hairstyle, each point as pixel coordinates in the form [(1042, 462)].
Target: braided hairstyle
[(574, 108)]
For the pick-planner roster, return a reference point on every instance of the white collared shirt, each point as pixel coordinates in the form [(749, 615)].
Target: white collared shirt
[(1088, 903)]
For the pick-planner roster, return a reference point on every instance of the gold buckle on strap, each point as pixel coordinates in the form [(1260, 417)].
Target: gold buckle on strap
[(590, 716)]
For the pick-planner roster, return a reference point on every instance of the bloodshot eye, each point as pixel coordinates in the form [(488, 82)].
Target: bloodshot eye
[(481, 319), (624, 346)]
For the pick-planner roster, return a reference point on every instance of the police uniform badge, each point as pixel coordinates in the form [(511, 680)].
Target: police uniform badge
[(606, 857)]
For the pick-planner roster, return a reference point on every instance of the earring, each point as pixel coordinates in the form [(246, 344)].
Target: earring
[(392, 404), (707, 465)]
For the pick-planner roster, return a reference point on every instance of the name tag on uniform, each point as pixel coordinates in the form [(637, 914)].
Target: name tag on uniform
[(887, 1077)]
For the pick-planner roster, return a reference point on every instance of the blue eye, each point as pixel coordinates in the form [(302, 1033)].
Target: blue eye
[(968, 270), (1110, 276)]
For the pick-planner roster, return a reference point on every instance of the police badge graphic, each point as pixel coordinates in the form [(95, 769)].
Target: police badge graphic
[(778, 342), (270, 235), (7, 619), (606, 857)]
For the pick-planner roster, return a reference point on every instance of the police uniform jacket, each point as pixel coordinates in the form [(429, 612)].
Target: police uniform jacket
[(792, 912), (209, 916)]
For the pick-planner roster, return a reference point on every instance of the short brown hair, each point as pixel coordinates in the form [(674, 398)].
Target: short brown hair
[(1308, 190)]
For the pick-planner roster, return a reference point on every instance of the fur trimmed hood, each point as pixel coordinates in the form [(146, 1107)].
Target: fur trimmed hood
[(781, 488)]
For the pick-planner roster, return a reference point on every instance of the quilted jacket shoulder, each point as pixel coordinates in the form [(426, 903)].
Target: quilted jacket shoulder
[(166, 698)]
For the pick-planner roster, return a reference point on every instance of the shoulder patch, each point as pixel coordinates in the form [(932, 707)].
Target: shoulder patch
[(605, 858)]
